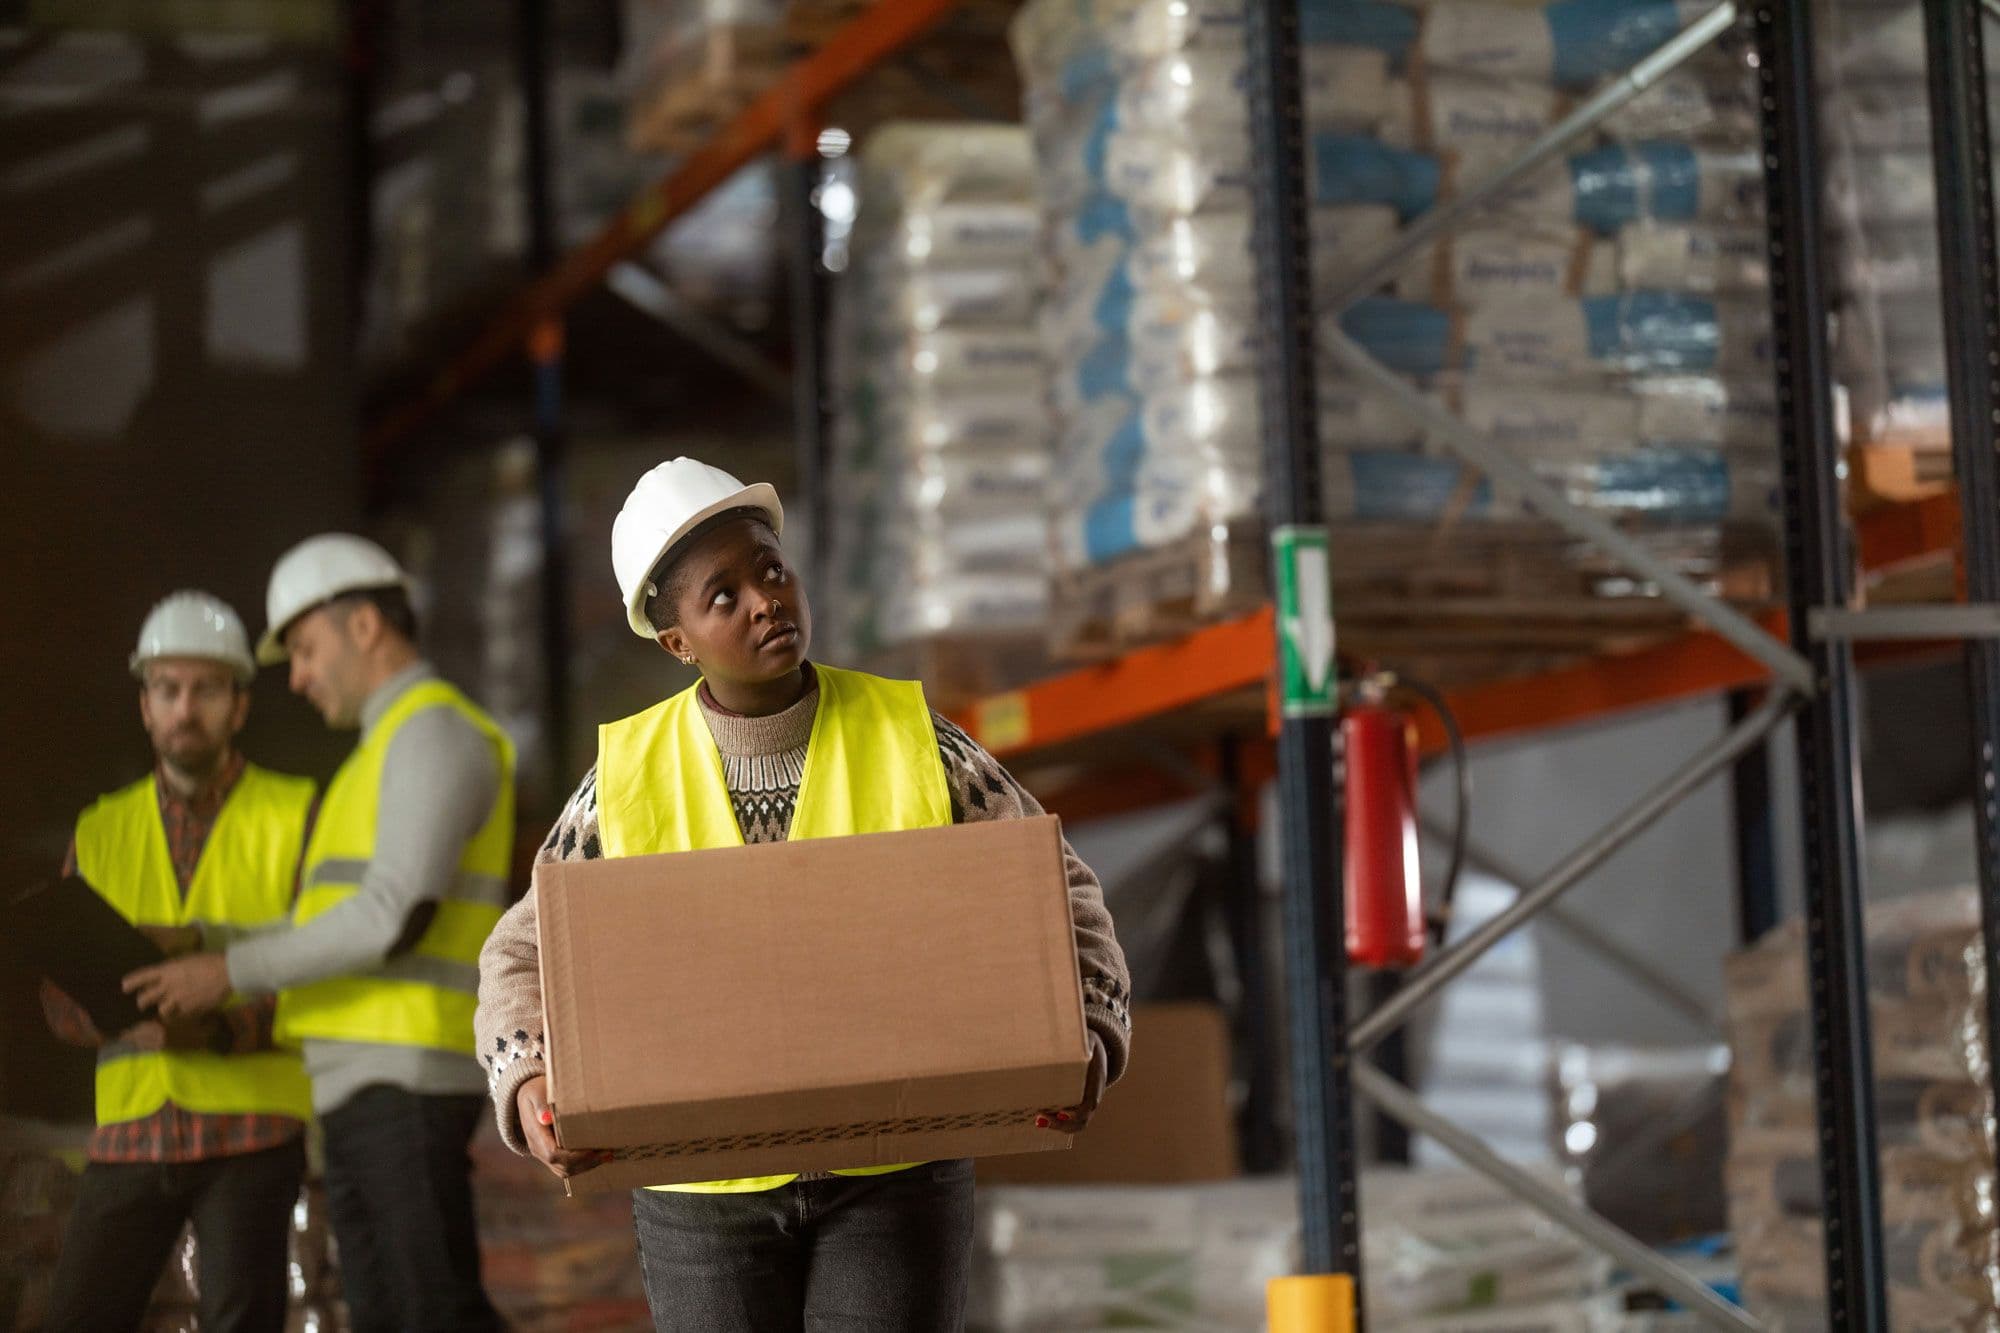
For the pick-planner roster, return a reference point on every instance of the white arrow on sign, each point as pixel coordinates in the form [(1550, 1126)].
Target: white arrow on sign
[(1311, 627)]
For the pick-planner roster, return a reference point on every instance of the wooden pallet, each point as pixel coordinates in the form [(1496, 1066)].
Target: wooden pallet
[(1150, 596), (1462, 604), (958, 670), (1896, 471), (704, 83), (958, 70)]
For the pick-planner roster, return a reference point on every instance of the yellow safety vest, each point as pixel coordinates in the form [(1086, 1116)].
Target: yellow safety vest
[(872, 766), (243, 880), (424, 997)]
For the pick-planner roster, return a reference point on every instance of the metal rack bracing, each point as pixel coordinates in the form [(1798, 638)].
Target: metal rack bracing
[(1812, 674), (1807, 675)]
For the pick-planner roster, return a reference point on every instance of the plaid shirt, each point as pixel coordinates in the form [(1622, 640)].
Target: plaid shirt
[(172, 1133)]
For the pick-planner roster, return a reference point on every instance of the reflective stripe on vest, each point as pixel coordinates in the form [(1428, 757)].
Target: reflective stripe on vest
[(426, 996), (243, 881), (872, 766)]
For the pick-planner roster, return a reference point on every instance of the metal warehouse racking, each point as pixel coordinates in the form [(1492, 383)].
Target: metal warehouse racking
[(1213, 698)]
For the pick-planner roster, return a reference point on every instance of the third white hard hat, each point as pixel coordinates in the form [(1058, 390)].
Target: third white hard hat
[(194, 624), (317, 570), (666, 505)]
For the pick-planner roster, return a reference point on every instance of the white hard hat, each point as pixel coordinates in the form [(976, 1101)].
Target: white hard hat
[(194, 624), (666, 505), (317, 570)]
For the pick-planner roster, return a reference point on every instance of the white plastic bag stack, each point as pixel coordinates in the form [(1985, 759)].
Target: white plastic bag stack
[(1606, 319), (940, 437), (1934, 1120), (1139, 113), (1445, 1252), (1882, 206)]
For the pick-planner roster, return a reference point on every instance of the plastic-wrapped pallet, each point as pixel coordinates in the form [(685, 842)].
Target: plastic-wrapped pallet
[(1140, 123), (1881, 206), (1445, 1250), (1605, 319), (1611, 308), (940, 436), (693, 65), (1934, 1121)]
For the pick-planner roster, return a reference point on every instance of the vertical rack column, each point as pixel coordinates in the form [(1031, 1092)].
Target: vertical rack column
[(802, 175), (1309, 796), (1817, 563), (1961, 156), (534, 41)]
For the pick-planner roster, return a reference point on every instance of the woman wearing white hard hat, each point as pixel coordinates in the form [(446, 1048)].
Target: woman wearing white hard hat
[(703, 574)]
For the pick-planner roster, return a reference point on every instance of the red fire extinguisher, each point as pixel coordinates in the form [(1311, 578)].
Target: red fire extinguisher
[(1385, 895)]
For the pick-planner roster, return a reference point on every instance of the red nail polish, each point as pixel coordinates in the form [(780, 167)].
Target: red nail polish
[(1041, 1122), (546, 1116), (1064, 1116)]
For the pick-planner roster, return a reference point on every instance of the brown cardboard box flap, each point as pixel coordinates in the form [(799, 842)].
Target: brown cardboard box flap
[(845, 997)]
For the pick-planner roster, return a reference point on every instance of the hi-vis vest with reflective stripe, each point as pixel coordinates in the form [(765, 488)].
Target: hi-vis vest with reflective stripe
[(243, 881), (872, 766), (425, 996)]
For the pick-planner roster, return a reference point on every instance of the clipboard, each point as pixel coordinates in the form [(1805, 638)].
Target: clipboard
[(64, 930)]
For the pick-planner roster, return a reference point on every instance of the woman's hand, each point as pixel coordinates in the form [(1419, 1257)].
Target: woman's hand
[(1074, 1119), (531, 1099)]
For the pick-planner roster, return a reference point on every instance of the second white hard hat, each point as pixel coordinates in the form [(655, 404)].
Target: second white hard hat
[(194, 624), (666, 505), (317, 570)]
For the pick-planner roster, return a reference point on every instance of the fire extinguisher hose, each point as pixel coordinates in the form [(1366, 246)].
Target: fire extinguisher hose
[(1461, 781)]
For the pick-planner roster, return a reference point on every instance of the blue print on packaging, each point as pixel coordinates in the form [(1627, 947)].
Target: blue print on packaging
[(1390, 29), (1654, 330), (1105, 369), (1406, 336), (1410, 486), (1622, 184), (1354, 169), (1593, 38), (1110, 528)]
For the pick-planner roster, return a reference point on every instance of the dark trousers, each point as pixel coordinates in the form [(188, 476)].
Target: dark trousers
[(862, 1254), (399, 1198), (127, 1218)]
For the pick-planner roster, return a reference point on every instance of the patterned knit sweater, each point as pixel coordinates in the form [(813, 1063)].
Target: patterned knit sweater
[(763, 759)]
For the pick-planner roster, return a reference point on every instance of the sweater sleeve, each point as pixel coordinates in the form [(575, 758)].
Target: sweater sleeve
[(508, 1025), (982, 789), (439, 781)]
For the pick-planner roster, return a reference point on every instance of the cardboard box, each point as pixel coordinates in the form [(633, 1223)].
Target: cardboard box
[(807, 1006), (1167, 1122)]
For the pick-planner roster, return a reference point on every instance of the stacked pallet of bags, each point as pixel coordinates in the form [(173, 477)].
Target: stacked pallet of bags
[(1934, 1119), (1882, 212), (1607, 319), (1140, 119), (940, 439), (1444, 1252)]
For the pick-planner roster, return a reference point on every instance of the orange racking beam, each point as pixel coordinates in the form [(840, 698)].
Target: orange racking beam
[(861, 44), (1897, 533), (1239, 654), (1145, 683), (1682, 668)]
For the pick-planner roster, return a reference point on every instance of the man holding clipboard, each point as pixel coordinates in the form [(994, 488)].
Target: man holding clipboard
[(198, 1120)]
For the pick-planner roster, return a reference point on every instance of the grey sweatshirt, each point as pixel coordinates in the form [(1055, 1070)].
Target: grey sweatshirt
[(439, 781)]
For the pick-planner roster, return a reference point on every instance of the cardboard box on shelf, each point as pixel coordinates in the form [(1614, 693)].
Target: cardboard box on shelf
[(1167, 1122), (813, 1005)]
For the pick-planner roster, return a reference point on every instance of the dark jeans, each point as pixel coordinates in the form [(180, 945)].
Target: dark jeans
[(867, 1254), (399, 1197), (127, 1218)]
